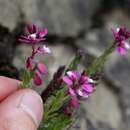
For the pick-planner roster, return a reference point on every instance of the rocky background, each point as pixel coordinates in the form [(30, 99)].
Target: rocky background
[(73, 25)]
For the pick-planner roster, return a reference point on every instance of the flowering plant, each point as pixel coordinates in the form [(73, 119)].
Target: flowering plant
[(69, 85)]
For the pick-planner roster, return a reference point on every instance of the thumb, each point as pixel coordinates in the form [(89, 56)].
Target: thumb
[(21, 111)]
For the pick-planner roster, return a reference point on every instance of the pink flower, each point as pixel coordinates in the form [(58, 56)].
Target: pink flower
[(43, 50), (31, 28), (37, 78), (121, 36), (74, 99), (74, 102), (35, 34), (72, 92), (79, 86), (74, 75), (123, 47), (67, 80), (42, 68), (29, 63), (85, 90), (71, 77)]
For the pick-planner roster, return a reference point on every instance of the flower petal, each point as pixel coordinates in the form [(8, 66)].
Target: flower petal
[(88, 88), (115, 32), (24, 40), (73, 74), (74, 102), (29, 63), (31, 28), (67, 80), (43, 32), (34, 35), (126, 45), (72, 92), (44, 49), (42, 68), (82, 93), (122, 50), (91, 80), (37, 78)]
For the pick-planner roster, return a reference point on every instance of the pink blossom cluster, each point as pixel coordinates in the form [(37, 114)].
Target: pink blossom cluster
[(80, 86), (35, 35), (121, 37)]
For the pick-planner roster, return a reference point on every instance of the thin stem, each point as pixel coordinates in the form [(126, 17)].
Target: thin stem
[(100, 61), (33, 51)]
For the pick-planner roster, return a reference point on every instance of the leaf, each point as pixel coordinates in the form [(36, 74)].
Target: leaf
[(58, 122), (75, 62), (26, 79), (62, 122), (57, 102)]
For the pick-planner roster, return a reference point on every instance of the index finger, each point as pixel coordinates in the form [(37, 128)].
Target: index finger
[(7, 86)]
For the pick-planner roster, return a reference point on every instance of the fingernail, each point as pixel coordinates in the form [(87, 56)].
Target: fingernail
[(32, 104)]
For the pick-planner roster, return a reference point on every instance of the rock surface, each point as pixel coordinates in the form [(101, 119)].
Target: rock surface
[(86, 24), (101, 111), (10, 13), (103, 107), (7, 49), (66, 17), (117, 71)]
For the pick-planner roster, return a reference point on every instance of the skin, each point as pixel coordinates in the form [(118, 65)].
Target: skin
[(19, 109)]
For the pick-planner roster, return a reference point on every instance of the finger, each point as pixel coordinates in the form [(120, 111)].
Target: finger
[(7, 86), (22, 110)]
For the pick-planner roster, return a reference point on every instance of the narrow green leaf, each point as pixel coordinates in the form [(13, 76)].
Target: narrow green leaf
[(26, 78), (75, 62), (59, 122)]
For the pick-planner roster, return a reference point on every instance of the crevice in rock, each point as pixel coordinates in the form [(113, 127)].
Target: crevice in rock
[(8, 43), (106, 7)]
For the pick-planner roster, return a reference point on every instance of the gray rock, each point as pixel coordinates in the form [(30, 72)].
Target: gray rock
[(66, 17), (101, 126), (6, 44), (117, 71), (100, 112), (96, 41), (10, 13), (103, 106)]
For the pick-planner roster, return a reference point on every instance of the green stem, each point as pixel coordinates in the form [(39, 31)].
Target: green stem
[(100, 61)]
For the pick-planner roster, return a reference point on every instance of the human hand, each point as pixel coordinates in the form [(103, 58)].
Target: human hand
[(19, 109)]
